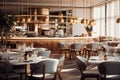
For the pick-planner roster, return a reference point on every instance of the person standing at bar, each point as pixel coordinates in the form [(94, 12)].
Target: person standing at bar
[(89, 27)]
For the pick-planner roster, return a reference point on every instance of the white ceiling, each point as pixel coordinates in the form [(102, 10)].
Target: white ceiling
[(11, 5)]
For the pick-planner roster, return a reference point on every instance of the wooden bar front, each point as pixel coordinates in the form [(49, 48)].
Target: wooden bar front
[(50, 43)]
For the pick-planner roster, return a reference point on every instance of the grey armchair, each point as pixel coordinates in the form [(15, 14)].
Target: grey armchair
[(109, 70), (81, 63), (6, 73)]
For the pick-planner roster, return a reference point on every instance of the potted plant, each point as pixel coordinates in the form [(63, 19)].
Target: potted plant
[(6, 26)]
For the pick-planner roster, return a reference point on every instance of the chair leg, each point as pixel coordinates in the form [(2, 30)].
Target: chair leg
[(72, 54), (21, 76), (82, 78), (65, 54), (80, 53), (59, 75)]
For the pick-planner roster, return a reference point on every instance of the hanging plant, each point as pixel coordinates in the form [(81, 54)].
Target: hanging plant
[(6, 26)]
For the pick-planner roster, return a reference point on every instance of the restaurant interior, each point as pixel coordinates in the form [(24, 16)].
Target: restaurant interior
[(59, 39)]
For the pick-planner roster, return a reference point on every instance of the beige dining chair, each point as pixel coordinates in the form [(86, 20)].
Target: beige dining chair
[(75, 48), (93, 48), (44, 70), (63, 48)]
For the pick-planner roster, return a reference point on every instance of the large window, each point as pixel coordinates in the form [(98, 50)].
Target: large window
[(100, 20), (110, 28)]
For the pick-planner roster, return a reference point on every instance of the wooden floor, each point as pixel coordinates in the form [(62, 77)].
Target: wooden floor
[(69, 71)]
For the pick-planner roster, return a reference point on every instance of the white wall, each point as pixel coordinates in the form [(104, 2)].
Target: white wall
[(78, 29)]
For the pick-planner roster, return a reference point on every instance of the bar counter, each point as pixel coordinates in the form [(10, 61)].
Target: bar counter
[(50, 42)]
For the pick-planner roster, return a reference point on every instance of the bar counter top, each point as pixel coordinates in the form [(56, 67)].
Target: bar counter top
[(52, 37)]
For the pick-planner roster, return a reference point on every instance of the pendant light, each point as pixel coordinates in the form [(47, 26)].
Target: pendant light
[(118, 19), (83, 21), (75, 18), (45, 12), (71, 17), (18, 12), (93, 21), (23, 19), (28, 11), (60, 14), (87, 20)]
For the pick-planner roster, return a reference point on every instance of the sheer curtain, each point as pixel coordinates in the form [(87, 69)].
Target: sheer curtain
[(99, 15), (112, 28)]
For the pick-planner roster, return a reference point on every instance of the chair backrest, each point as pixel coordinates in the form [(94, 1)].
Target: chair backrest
[(62, 44), (77, 45), (39, 49), (106, 48), (118, 45), (50, 66), (81, 63), (45, 53), (109, 68), (61, 62), (95, 45), (5, 67)]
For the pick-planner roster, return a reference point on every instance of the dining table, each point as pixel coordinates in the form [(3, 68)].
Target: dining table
[(98, 59), (16, 57), (28, 62)]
